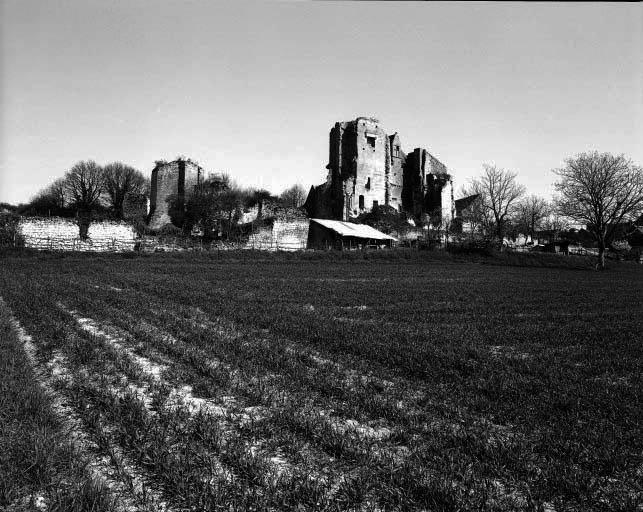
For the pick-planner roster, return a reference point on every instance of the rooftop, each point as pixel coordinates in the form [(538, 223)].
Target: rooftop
[(355, 230)]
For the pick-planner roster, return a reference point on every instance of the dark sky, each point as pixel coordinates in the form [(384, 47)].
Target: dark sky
[(252, 88)]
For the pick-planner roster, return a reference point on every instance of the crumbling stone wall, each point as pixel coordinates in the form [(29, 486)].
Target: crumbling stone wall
[(321, 204), (284, 228), (395, 179), (280, 234), (372, 166), (447, 202), (172, 179), (55, 233), (428, 188), (358, 166)]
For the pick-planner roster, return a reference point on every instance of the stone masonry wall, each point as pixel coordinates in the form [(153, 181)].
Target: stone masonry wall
[(55, 233), (283, 235), (173, 178), (367, 167), (396, 173), (447, 203), (165, 182), (359, 163), (372, 158)]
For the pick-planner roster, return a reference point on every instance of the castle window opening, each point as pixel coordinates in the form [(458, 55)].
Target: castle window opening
[(375, 204), (370, 140), (361, 202), (368, 184)]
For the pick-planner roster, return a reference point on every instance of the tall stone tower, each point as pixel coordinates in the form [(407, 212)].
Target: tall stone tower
[(358, 165), (176, 179), (367, 168)]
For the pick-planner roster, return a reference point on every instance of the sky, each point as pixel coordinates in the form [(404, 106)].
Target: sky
[(253, 88)]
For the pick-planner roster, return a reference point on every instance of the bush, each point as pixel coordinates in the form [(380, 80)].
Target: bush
[(9, 235), (169, 230), (483, 247)]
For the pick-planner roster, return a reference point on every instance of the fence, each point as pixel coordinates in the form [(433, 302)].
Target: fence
[(580, 251), (146, 244), (275, 245), (75, 244)]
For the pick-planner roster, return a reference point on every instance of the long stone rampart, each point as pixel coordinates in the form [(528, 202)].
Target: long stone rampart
[(59, 234)]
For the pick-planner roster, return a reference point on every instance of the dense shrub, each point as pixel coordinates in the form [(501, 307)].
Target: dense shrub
[(9, 235)]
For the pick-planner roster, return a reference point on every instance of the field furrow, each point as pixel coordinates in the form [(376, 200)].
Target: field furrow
[(343, 385), (107, 464)]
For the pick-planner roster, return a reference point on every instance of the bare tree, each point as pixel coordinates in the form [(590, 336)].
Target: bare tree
[(57, 193), (51, 200), (601, 190), (294, 196), (531, 212), (555, 222), (120, 180), (499, 192), (84, 184)]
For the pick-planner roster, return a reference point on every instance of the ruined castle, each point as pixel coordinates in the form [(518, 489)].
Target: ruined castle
[(171, 180), (367, 168)]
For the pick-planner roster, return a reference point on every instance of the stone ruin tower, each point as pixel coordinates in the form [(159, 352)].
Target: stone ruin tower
[(364, 171), (172, 179), (428, 187), (367, 168), (358, 165)]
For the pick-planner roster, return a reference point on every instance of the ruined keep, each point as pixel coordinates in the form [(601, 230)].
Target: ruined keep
[(176, 179), (367, 168), (427, 187)]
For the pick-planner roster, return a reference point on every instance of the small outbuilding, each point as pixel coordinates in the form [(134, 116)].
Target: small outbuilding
[(336, 234)]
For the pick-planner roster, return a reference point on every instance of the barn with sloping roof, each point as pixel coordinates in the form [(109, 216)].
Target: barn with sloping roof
[(336, 234)]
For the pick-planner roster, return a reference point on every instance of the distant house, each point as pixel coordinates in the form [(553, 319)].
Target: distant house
[(564, 247), (335, 234)]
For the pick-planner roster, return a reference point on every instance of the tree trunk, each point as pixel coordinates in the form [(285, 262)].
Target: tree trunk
[(601, 255), (84, 220), (500, 230)]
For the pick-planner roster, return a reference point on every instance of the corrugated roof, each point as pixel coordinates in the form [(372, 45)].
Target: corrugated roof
[(356, 230)]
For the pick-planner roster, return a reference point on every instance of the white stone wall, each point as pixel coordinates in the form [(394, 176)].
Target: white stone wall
[(448, 208), (283, 236), (291, 235), (58, 234), (249, 215)]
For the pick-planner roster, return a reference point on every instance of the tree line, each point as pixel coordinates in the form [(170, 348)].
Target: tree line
[(88, 187), (598, 190), (216, 207), (89, 191)]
